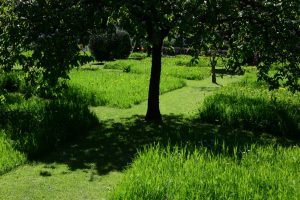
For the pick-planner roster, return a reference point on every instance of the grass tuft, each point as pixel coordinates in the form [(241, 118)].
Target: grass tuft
[(9, 157), (251, 106)]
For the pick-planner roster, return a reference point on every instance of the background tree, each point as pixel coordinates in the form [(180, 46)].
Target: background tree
[(210, 32)]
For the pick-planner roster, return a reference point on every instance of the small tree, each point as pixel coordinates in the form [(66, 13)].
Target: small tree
[(211, 32)]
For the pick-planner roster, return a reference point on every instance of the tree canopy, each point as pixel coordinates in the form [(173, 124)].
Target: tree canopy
[(43, 36)]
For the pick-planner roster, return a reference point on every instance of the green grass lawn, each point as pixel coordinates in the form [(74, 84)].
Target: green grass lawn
[(56, 182), (117, 89)]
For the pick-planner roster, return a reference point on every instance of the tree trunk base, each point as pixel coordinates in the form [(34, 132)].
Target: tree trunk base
[(153, 117)]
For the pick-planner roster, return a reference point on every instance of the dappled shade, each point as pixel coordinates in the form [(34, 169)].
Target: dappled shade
[(113, 145)]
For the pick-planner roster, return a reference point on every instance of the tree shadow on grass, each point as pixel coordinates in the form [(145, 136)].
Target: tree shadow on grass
[(113, 145)]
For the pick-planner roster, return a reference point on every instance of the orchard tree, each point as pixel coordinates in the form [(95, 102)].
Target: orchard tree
[(43, 36), (265, 33), (270, 30), (157, 19)]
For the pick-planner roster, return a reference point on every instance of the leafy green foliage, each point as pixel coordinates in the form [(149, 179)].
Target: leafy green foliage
[(51, 30), (121, 44), (174, 173), (269, 30), (99, 46), (137, 56)]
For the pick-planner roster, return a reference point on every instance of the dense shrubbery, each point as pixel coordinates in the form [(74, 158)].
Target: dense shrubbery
[(121, 45), (137, 56), (252, 107), (109, 46)]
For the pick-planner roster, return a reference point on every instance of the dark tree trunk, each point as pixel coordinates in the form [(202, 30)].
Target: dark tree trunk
[(213, 70), (213, 74), (153, 112)]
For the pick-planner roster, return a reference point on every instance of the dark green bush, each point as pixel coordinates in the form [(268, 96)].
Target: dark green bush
[(99, 46), (109, 46), (10, 82), (121, 45)]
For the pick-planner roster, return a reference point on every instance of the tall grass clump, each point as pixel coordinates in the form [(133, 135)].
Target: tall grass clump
[(37, 126), (260, 173), (116, 89), (9, 157), (250, 105)]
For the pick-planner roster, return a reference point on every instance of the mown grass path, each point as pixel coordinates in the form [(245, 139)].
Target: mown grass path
[(90, 167)]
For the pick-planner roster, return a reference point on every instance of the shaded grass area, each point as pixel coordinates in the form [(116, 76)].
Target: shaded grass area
[(116, 89), (267, 172), (250, 105), (179, 66), (113, 146), (36, 126), (82, 168)]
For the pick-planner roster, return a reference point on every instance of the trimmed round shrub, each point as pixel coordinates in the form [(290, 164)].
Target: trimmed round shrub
[(109, 46), (99, 46), (121, 45)]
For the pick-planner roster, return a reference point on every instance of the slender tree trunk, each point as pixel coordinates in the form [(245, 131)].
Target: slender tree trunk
[(153, 112)]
